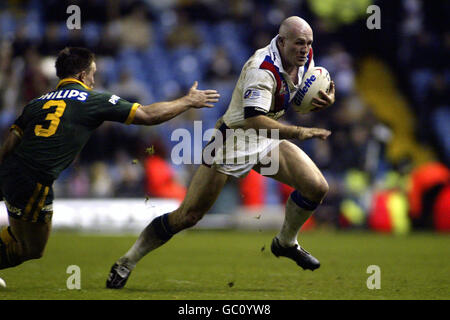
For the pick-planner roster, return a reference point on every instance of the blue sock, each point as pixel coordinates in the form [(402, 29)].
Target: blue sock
[(302, 202), (162, 228)]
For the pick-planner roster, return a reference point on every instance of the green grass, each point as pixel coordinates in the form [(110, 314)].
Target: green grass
[(201, 265)]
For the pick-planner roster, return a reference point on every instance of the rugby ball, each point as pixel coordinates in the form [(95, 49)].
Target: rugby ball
[(315, 79)]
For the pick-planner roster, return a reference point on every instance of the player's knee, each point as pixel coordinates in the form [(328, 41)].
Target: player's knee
[(32, 252), (316, 190), (322, 189), (11, 250)]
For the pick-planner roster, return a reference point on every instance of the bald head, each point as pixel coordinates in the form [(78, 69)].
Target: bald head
[(294, 41), (292, 26)]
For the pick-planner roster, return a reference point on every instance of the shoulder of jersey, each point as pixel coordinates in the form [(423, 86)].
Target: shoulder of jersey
[(258, 57)]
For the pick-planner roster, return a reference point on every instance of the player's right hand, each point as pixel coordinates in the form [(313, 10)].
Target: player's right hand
[(309, 133), (202, 98)]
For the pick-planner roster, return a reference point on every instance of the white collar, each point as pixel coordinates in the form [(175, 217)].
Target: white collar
[(276, 58), (275, 54)]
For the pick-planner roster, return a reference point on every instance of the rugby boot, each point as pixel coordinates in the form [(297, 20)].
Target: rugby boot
[(302, 257), (118, 276)]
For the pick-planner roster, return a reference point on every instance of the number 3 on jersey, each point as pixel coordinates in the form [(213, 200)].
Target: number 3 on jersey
[(53, 117)]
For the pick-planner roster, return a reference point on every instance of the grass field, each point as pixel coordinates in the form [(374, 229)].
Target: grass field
[(224, 265)]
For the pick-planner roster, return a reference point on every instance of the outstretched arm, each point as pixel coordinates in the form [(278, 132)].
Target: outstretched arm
[(285, 131), (160, 112)]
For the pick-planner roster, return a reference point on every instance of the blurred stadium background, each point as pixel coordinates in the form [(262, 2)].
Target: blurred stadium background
[(386, 161)]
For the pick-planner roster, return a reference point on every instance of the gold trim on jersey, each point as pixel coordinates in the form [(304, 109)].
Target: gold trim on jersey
[(32, 200), (40, 205), (132, 113), (72, 80), (16, 130)]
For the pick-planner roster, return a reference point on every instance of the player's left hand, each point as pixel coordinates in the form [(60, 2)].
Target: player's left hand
[(325, 100), (202, 98)]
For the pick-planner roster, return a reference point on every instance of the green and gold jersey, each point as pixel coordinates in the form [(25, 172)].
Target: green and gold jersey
[(55, 127)]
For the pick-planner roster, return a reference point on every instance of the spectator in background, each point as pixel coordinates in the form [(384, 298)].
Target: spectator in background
[(104, 143), (221, 67), (21, 41), (57, 13), (6, 54), (426, 182), (10, 78), (78, 185), (109, 41), (51, 43), (135, 29), (252, 190), (34, 82), (160, 179), (183, 33), (128, 175), (76, 39), (359, 136), (438, 115), (203, 10), (260, 31), (439, 93), (6, 71), (101, 182), (131, 89), (97, 11), (349, 120), (260, 38), (339, 63)]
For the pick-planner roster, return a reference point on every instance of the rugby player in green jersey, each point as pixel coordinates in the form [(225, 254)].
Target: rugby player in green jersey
[(49, 134)]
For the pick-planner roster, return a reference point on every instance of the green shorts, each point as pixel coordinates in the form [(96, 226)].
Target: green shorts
[(25, 198)]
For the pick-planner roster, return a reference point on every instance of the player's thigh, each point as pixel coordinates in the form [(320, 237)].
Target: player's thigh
[(203, 191), (32, 236), (204, 188), (297, 170)]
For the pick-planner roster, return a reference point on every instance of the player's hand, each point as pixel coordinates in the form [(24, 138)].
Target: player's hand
[(324, 100), (309, 133), (202, 98)]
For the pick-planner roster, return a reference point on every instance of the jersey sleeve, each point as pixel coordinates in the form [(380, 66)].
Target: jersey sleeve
[(109, 107), (259, 87)]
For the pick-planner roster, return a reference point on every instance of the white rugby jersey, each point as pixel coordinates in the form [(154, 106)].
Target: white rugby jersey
[(263, 86)]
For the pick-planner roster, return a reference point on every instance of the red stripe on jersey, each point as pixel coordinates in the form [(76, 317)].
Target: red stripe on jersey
[(280, 99)]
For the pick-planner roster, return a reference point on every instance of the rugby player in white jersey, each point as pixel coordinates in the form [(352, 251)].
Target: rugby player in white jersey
[(267, 83)]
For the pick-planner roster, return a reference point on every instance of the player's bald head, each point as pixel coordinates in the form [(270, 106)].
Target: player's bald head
[(292, 26), (294, 41)]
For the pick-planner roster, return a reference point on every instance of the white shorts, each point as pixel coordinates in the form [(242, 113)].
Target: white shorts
[(235, 152)]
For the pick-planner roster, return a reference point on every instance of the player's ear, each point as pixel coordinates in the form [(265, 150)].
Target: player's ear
[(82, 76)]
